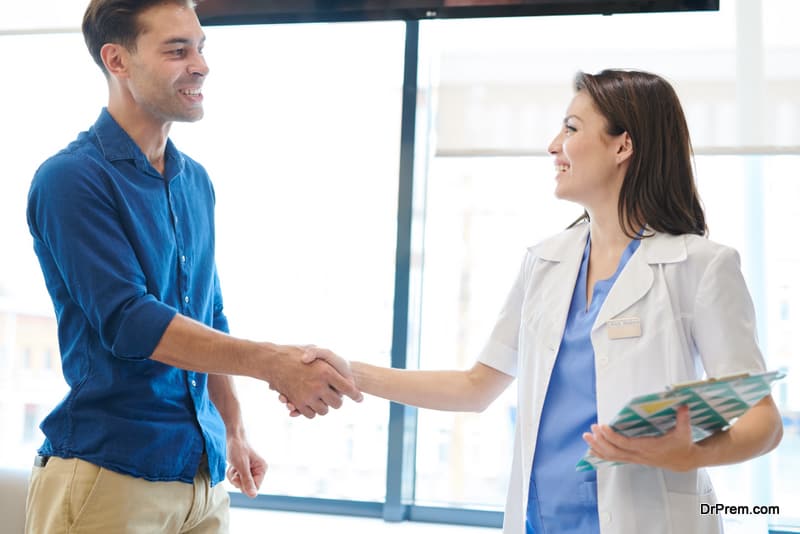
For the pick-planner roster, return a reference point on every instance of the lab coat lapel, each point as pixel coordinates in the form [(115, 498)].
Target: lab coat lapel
[(636, 278), (565, 252), (633, 283)]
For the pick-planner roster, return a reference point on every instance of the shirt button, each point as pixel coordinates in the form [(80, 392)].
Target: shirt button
[(183, 259), (605, 518), (186, 299), (194, 383)]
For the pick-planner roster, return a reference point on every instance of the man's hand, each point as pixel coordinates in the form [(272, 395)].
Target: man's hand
[(246, 469), (312, 353), (312, 386), (674, 450)]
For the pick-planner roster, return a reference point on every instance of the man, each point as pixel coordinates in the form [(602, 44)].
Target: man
[(123, 227)]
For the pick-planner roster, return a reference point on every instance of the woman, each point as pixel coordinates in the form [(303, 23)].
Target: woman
[(638, 254)]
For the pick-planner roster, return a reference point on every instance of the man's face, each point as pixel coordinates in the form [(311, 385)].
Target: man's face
[(167, 69)]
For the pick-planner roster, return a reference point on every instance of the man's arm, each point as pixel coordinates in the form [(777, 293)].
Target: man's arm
[(190, 345), (246, 468)]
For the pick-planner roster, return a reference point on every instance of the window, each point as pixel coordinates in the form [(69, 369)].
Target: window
[(300, 138), (493, 104)]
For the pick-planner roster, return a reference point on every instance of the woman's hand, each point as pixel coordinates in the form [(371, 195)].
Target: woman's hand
[(675, 450)]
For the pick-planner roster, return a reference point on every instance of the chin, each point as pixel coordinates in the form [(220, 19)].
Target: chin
[(190, 117), (561, 194)]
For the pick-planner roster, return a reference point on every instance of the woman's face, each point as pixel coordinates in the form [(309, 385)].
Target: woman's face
[(589, 166)]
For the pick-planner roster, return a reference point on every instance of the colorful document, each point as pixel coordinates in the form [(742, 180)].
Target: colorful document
[(714, 404)]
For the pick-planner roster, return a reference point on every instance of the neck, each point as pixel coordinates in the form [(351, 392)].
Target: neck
[(606, 231), (149, 135)]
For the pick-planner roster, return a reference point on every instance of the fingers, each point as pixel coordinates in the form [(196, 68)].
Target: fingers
[(248, 485), (309, 355), (249, 478), (341, 379), (243, 483), (316, 386), (598, 443), (258, 470), (682, 419), (346, 386)]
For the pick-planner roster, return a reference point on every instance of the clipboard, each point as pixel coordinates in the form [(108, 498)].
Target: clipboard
[(714, 404)]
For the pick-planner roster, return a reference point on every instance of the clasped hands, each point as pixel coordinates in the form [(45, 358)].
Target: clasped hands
[(310, 380)]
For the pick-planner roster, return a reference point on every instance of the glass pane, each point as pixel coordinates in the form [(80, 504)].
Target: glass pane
[(41, 15), (751, 205), (502, 91), (480, 215), (301, 138)]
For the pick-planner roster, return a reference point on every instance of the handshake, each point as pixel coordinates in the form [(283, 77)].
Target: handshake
[(310, 380)]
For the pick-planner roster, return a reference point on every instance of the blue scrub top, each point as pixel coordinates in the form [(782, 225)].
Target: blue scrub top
[(561, 499)]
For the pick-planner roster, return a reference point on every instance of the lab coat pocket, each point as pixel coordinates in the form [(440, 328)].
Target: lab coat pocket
[(687, 513)]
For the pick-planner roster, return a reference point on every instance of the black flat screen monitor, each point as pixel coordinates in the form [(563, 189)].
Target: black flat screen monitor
[(217, 12)]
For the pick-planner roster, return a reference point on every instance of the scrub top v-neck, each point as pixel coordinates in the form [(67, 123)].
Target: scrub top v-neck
[(562, 500)]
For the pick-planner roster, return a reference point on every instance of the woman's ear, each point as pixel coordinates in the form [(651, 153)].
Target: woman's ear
[(624, 148)]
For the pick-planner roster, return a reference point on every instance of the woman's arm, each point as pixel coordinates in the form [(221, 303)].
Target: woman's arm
[(471, 390), (756, 432), (723, 329)]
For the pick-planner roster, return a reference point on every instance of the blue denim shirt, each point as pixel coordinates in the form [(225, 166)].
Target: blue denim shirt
[(123, 249)]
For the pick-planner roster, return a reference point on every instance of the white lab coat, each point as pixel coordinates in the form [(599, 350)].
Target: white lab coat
[(696, 316)]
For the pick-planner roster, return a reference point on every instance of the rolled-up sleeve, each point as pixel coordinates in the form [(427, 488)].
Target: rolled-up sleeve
[(87, 257), (220, 321)]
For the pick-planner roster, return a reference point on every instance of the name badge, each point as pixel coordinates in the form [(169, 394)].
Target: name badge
[(624, 327)]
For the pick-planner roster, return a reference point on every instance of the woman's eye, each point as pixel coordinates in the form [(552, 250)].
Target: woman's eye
[(569, 128)]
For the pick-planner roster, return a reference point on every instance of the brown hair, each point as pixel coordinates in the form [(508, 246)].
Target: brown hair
[(659, 188), (116, 21)]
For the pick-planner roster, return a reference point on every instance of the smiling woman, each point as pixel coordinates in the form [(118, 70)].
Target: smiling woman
[(629, 258)]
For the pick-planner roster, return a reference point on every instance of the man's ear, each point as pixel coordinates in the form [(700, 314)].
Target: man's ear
[(624, 148), (115, 58)]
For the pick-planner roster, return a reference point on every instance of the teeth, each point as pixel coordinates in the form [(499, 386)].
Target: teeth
[(562, 168), (190, 92)]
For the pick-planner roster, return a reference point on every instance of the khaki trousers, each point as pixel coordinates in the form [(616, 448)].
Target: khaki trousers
[(71, 496)]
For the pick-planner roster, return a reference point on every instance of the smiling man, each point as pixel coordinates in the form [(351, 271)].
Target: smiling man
[(123, 226)]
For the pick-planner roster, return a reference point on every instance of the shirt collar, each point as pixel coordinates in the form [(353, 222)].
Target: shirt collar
[(117, 145)]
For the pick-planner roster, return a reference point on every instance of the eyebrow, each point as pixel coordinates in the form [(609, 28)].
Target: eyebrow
[(182, 40)]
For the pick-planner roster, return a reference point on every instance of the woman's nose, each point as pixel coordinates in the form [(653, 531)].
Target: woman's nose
[(555, 145)]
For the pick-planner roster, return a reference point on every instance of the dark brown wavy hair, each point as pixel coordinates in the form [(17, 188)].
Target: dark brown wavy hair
[(659, 189)]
